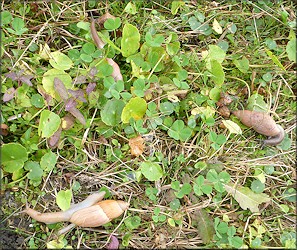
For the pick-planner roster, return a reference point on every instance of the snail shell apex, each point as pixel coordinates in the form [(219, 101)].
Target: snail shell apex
[(259, 121), (99, 214)]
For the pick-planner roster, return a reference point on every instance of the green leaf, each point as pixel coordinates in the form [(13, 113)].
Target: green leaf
[(256, 102), (48, 81), (111, 112), (275, 59), (130, 40), (49, 123), (257, 186), (205, 225), (13, 156), (175, 5), (212, 175), (112, 24), (216, 53), (37, 101), (18, 25), (60, 61), (48, 161), (172, 48), (217, 73), (89, 48), (63, 199), (5, 17), (133, 222), (178, 131), (232, 127), (174, 204), (242, 65), (246, 198), (35, 172), (130, 8), (151, 170), (291, 50), (135, 109)]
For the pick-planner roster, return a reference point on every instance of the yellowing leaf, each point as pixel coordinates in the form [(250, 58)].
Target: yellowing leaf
[(217, 27), (232, 127), (130, 40), (60, 61), (137, 145), (246, 198), (44, 51), (207, 111), (135, 108)]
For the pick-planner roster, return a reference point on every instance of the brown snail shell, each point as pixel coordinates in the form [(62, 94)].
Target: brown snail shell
[(259, 121), (99, 214)]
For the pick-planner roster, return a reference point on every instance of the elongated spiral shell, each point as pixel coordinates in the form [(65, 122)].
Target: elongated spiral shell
[(99, 214)]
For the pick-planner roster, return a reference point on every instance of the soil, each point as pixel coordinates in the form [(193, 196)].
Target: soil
[(9, 239)]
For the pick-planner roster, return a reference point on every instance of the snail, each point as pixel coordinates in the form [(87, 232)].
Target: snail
[(262, 123), (92, 212)]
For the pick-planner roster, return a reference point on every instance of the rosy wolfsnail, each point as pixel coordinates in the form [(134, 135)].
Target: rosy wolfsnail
[(92, 212), (262, 123)]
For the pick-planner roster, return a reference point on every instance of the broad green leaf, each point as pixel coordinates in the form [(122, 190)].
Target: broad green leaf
[(256, 102), (178, 131), (257, 186), (48, 81), (112, 24), (242, 64), (130, 8), (56, 244), (60, 61), (215, 93), (35, 172), (37, 101), (130, 40), (175, 5), (135, 109), (172, 48), (63, 199), (48, 124), (48, 161), (291, 50), (151, 170), (13, 156), (217, 73), (246, 198), (111, 112), (133, 222), (216, 53), (5, 17), (205, 225), (232, 127)]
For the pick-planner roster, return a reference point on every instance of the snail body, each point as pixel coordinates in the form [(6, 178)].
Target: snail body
[(92, 212), (262, 123)]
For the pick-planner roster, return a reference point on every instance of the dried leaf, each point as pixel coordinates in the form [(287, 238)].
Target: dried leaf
[(53, 141), (18, 76), (48, 98), (205, 225), (9, 94), (91, 86), (114, 243), (246, 198), (217, 27), (67, 122), (61, 89), (26, 79), (93, 72), (70, 104), (137, 145), (232, 127), (12, 75), (78, 115)]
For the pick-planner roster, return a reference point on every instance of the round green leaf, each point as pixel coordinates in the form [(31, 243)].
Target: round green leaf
[(111, 113), (130, 40), (257, 186), (37, 101), (49, 123), (151, 170), (48, 81), (13, 156), (5, 17), (88, 48), (35, 172), (86, 58), (135, 108), (63, 199), (60, 61), (48, 161)]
